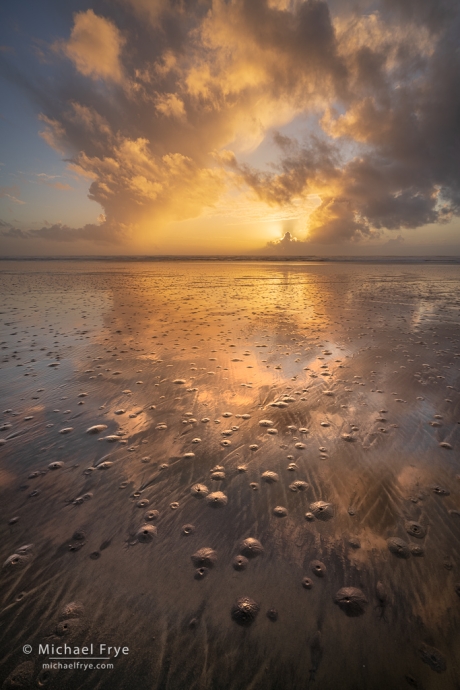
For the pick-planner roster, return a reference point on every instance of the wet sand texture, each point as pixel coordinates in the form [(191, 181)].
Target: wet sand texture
[(246, 473)]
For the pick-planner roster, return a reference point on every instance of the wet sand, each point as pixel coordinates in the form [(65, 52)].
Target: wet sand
[(248, 474)]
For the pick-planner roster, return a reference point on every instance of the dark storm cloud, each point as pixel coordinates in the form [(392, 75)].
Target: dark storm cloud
[(432, 13), (405, 128)]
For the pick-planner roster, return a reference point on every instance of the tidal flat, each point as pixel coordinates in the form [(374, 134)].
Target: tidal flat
[(248, 474)]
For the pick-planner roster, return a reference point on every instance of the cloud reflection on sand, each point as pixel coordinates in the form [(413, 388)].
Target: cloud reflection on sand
[(364, 441)]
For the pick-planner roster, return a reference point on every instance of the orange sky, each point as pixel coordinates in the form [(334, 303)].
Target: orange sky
[(218, 127)]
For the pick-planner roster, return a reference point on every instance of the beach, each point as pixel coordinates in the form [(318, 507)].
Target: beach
[(155, 416)]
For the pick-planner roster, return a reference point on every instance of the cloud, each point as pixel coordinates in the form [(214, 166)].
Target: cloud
[(12, 193), (253, 48), (286, 246), (395, 242), (360, 196), (385, 159), (61, 233), (62, 186), (167, 100), (44, 178), (170, 105), (53, 133), (132, 180), (153, 9), (94, 46)]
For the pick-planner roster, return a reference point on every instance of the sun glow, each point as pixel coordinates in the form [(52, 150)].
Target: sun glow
[(235, 127)]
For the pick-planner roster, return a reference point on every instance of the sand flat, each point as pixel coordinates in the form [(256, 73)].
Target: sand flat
[(356, 369)]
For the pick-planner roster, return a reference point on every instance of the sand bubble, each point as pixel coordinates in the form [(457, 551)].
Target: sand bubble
[(217, 499), (240, 562), (398, 547), (244, 611), (322, 510), (199, 490), (251, 547), (351, 600), (270, 477), (415, 530), (204, 557), (146, 533)]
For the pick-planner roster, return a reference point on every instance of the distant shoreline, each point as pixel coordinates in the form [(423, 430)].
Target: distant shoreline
[(246, 258)]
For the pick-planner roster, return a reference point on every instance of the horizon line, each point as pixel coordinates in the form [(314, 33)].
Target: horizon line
[(236, 257)]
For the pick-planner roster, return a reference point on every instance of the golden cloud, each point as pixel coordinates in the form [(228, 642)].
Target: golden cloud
[(368, 102), (94, 47)]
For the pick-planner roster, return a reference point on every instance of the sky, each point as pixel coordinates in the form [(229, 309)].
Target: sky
[(269, 127)]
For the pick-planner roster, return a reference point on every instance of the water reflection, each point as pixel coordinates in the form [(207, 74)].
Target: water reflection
[(353, 369)]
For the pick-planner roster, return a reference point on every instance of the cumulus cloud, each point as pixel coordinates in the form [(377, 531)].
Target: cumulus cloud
[(387, 159), (359, 196), (167, 98), (94, 46), (288, 245), (170, 105)]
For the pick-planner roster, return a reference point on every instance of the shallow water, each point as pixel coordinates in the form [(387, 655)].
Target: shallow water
[(339, 381)]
